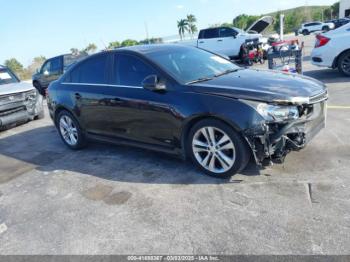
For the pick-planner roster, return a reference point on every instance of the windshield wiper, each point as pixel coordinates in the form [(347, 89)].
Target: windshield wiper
[(227, 72), (202, 79)]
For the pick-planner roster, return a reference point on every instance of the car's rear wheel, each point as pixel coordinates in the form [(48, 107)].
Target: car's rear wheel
[(305, 32), (217, 149), (70, 131), (344, 63)]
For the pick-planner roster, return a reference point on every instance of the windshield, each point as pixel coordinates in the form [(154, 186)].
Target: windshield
[(7, 77), (190, 64)]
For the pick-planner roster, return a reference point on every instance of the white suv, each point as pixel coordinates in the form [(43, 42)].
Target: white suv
[(332, 49), (308, 28)]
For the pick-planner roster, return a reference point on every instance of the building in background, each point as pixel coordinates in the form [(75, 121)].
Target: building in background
[(344, 8)]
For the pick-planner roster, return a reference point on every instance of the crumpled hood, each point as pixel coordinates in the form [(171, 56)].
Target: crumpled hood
[(262, 85), (15, 88)]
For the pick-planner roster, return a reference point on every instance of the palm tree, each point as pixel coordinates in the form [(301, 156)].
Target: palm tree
[(191, 20), (182, 25)]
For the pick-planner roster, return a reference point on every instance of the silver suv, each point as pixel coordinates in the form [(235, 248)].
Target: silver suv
[(308, 28)]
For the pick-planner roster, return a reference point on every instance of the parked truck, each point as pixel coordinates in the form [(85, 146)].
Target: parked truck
[(52, 69), (227, 41)]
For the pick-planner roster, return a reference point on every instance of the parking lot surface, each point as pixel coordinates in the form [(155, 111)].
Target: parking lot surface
[(120, 200)]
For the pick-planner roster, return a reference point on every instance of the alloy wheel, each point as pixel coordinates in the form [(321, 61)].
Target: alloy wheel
[(345, 64), (214, 149), (68, 130)]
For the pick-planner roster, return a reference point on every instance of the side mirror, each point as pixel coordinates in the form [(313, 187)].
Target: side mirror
[(46, 73), (152, 83)]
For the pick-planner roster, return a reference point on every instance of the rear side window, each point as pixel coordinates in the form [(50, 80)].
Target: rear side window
[(227, 32), (131, 71), (211, 33), (91, 71)]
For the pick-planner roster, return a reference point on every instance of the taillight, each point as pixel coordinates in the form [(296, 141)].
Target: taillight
[(321, 40)]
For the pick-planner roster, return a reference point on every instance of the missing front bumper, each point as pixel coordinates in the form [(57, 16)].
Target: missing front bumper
[(271, 142)]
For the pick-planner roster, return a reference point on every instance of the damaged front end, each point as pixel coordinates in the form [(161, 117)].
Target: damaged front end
[(287, 126), (17, 108)]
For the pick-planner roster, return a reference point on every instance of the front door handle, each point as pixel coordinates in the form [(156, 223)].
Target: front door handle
[(77, 96), (220, 40), (201, 42)]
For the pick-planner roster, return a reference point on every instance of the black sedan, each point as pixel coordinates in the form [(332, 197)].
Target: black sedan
[(188, 102)]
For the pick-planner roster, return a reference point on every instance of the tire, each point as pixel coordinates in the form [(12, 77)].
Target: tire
[(344, 63), (306, 32), (231, 159), (40, 89), (325, 28), (70, 130)]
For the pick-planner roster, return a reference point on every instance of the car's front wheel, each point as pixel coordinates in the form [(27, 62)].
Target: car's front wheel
[(70, 131), (344, 63), (217, 149)]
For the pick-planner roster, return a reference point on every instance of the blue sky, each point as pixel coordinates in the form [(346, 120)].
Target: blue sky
[(51, 27)]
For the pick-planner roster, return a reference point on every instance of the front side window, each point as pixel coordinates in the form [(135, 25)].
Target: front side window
[(56, 65), (91, 71), (131, 71), (46, 67), (189, 64), (227, 32)]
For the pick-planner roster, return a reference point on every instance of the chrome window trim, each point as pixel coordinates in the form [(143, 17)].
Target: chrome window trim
[(87, 84)]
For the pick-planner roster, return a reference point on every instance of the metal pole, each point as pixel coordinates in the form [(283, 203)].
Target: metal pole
[(282, 27)]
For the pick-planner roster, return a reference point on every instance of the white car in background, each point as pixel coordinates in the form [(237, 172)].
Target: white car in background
[(332, 49), (19, 101), (227, 41), (308, 28)]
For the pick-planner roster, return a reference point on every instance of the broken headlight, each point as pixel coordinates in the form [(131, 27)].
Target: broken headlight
[(31, 95), (275, 113)]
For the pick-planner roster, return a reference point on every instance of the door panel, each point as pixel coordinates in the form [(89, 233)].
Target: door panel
[(211, 41), (139, 114)]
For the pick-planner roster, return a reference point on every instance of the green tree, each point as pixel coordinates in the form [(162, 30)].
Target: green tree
[(129, 42), (244, 21), (36, 64), (14, 65), (74, 51), (192, 27), (182, 25), (113, 45), (90, 49)]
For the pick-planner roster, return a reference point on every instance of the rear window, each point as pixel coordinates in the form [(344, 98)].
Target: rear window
[(7, 77)]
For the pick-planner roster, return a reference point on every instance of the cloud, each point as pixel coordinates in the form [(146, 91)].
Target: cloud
[(180, 7)]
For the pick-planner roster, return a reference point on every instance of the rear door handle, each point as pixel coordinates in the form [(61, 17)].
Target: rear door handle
[(201, 42), (220, 40), (77, 96)]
